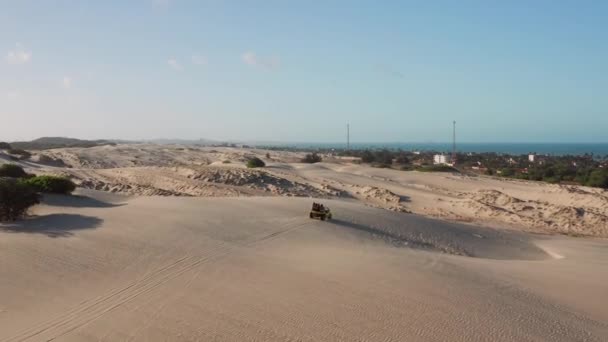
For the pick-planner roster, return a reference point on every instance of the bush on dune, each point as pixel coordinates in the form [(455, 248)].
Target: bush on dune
[(311, 158), (12, 171), (437, 168), (5, 146), (255, 162), (51, 184), (16, 198)]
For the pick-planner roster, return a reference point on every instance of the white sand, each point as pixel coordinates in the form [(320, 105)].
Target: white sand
[(111, 268), (217, 172), (242, 261)]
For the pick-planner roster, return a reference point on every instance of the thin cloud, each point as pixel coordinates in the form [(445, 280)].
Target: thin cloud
[(18, 55), (250, 58), (175, 65), (199, 60)]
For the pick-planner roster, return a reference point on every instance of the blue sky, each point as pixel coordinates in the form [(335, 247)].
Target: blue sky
[(509, 71)]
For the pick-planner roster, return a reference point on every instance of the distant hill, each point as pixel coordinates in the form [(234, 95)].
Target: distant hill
[(46, 143)]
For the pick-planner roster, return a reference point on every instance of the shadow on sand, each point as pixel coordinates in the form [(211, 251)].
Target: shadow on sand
[(404, 199), (53, 225), (77, 201), (419, 232), (393, 238)]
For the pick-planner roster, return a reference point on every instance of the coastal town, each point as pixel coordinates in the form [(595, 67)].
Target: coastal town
[(587, 169)]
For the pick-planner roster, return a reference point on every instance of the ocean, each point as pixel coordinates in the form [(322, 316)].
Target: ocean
[(557, 149)]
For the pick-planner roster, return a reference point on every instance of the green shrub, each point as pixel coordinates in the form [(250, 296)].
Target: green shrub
[(508, 172), (51, 184), (379, 156), (437, 168), (598, 178), (5, 146), (12, 170), (312, 158), (367, 156), (15, 199), (402, 159), (255, 162)]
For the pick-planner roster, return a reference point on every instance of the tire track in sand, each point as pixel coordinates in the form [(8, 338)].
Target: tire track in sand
[(91, 310)]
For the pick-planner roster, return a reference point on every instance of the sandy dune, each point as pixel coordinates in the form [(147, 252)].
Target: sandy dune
[(184, 243), (176, 170), (257, 269)]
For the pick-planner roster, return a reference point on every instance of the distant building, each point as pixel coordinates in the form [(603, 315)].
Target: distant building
[(531, 157), (442, 159)]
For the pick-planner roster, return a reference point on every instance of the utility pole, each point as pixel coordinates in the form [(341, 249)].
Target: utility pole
[(347, 137), (454, 144)]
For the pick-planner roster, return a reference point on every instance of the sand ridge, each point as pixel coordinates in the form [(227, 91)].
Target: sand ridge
[(177, 170)]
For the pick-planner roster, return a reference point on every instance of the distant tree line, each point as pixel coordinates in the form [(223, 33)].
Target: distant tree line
[(585, 170)]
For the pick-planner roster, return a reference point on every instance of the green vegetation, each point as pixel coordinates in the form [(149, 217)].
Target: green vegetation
[(15, 199), (378, 157), (596, 178), (5, 146), (436, 168), (407, 167), (20, 190), (588, 169), (312, 158), (582, 170), (12, 171), (255, 162), (51, 184)]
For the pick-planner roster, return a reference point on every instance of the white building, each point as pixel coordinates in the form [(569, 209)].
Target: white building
[(531, 157), (442, 159)]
